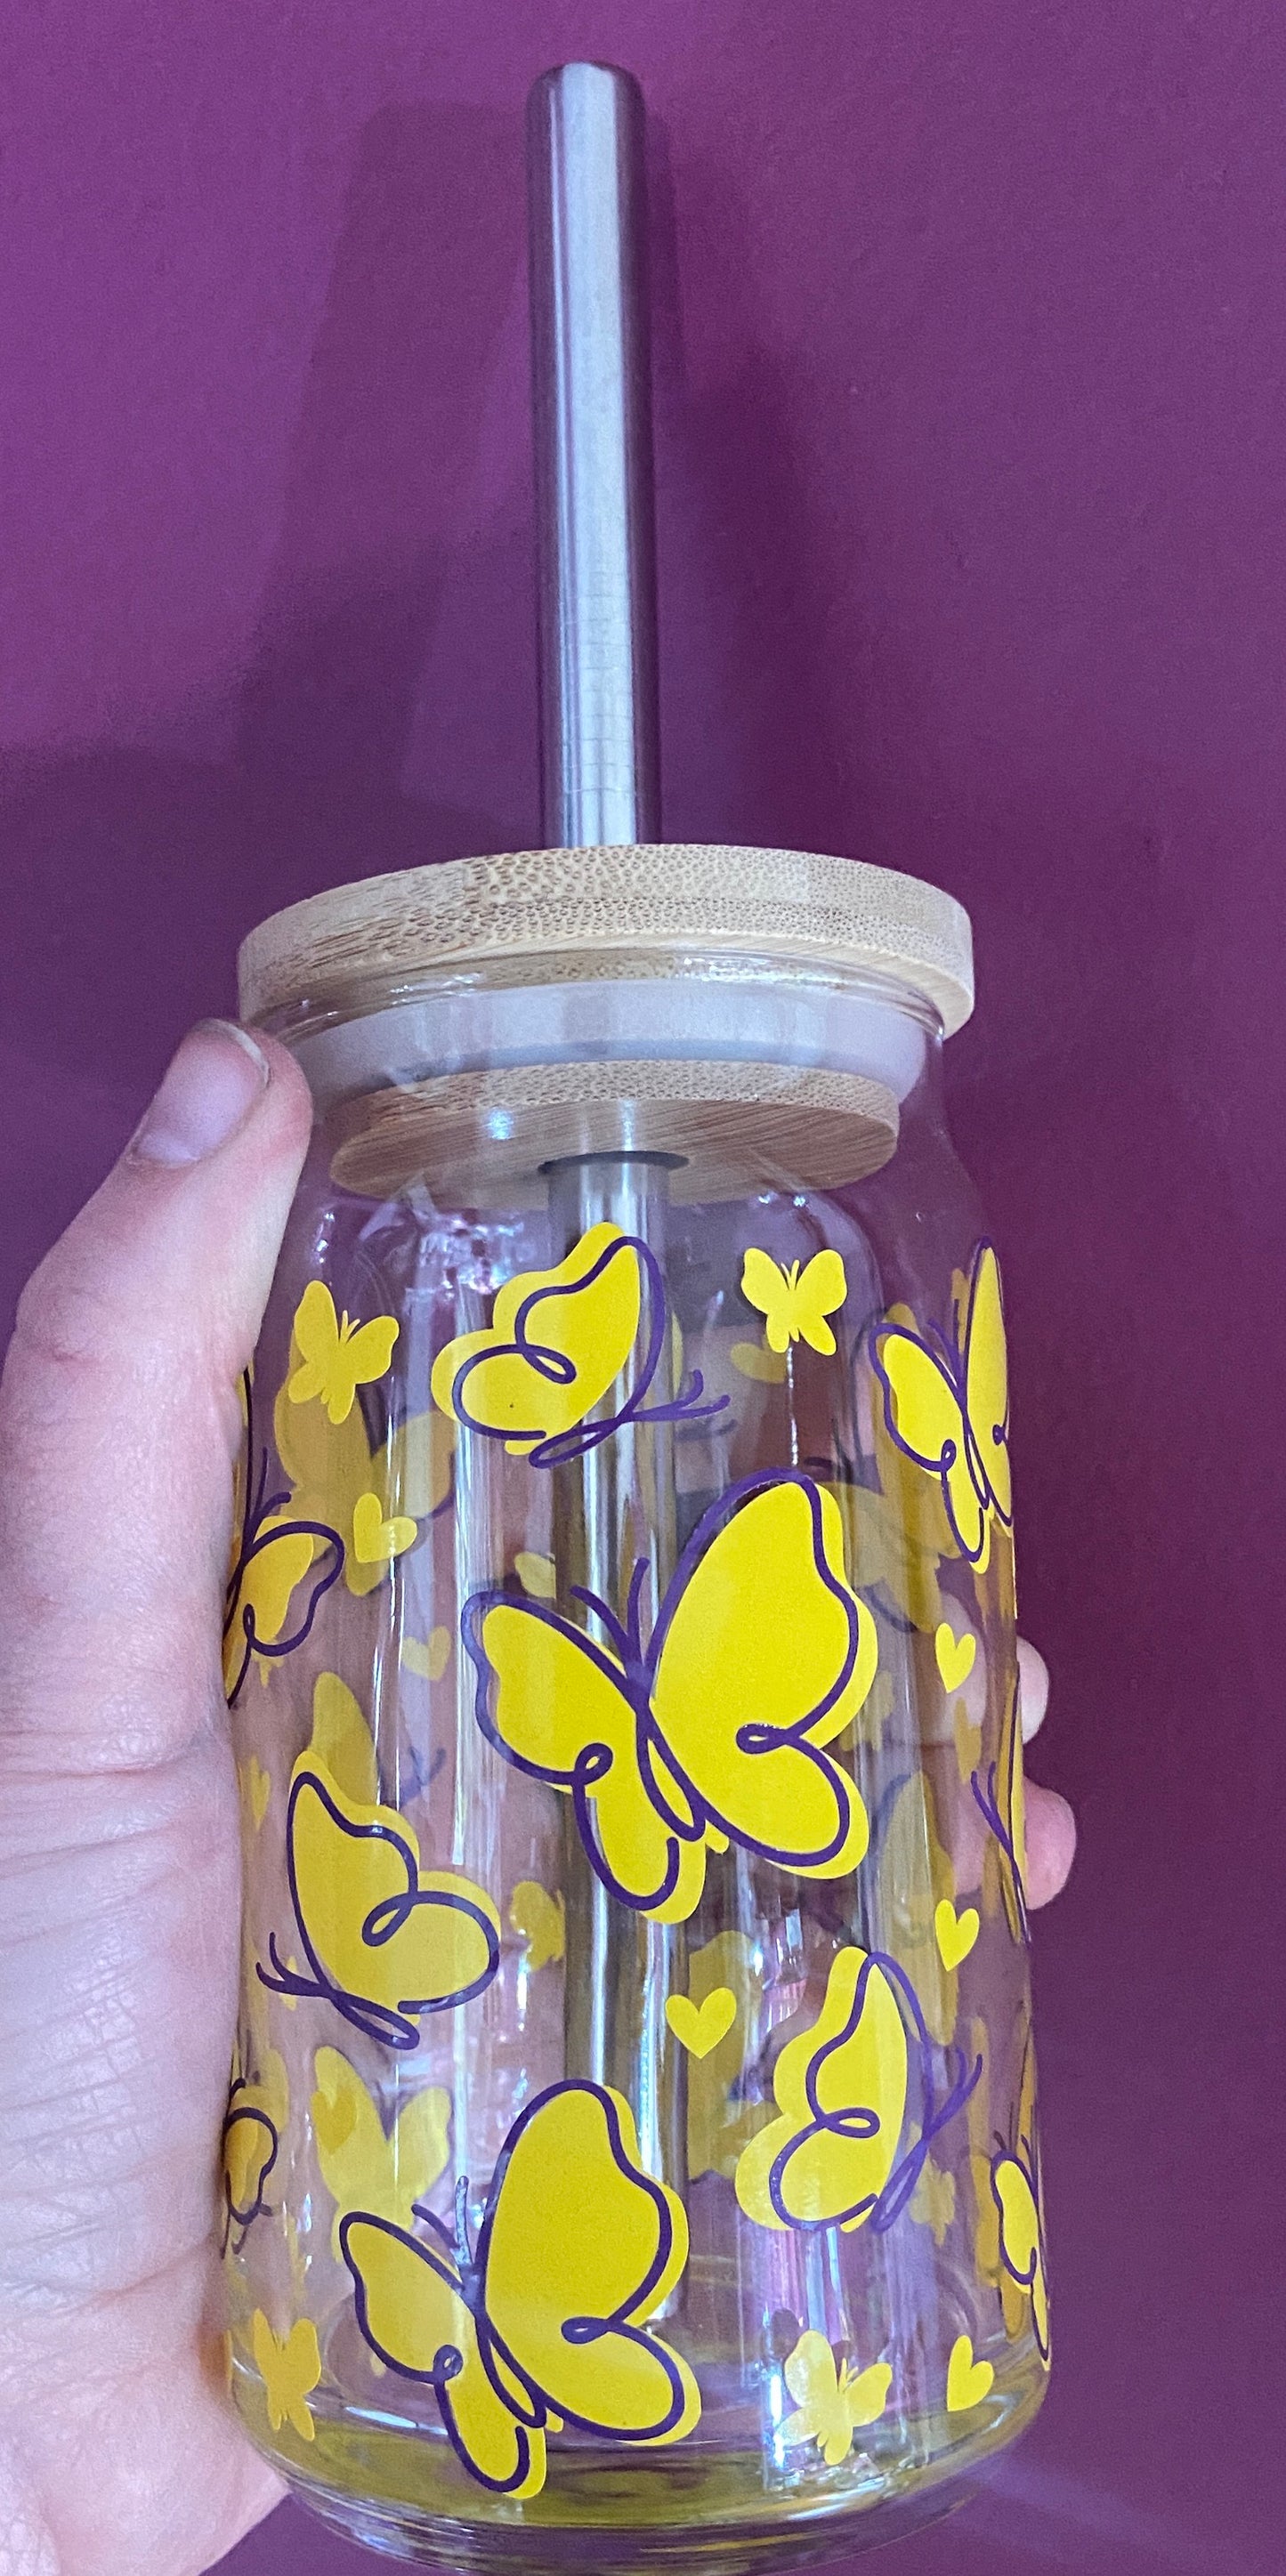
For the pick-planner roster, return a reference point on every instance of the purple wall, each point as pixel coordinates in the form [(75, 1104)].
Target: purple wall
[(971, 348)]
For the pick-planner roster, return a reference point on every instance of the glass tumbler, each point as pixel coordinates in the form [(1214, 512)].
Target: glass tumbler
[(630, 2155)]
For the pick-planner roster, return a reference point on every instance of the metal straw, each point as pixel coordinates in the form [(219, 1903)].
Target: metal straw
[(600, 784), (592, 415)]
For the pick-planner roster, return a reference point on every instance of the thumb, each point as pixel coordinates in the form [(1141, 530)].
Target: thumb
[(119, 1418)]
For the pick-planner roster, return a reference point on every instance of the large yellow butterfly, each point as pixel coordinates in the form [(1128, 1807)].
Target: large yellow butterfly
[(335, 1356), (831, 2157), (795, 1301), (946, 1403), (273, 1551), (386, 1941), (557, 1343), (714, 1733), (542, 2324), (1016, 2190)]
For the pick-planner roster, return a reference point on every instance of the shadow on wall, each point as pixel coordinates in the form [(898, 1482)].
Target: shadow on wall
[(132, 875)]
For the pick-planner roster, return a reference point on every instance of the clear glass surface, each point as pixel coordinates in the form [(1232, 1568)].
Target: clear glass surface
[(631, 2148)]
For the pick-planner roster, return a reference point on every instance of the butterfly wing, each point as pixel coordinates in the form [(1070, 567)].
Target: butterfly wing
[(557, 1341), (554, 1704), (762, 1655), (841, 2095), (987, 1380), (822, 1288), (579, 2247), (926, 1418), (813, 2382), (316, 1332), (765, 1286), (380, 1931), (411, 2310)]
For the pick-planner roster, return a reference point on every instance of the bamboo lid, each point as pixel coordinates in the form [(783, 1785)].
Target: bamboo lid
[(572, 911)]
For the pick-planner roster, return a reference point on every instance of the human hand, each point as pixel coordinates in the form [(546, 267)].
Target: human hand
[(119, 1861)]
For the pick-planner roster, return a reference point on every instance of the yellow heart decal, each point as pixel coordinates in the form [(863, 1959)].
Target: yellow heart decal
[(956, 1933), (428, 1657), (968, 2381), (955, 1655), (700, 2027), (375, 1540)]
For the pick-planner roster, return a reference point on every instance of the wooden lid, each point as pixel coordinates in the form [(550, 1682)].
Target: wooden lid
[(570, 909)]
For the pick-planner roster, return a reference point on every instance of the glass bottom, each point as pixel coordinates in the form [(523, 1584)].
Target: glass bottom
[(405, 2497)]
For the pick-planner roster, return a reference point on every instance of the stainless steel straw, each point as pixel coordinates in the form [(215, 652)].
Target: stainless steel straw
[(600, 784)]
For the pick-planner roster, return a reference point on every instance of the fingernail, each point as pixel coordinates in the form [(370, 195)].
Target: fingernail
[(210, 1089)]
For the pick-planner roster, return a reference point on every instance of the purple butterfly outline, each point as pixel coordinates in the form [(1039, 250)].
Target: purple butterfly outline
[(463, 2269), (1024, 2152), (633, 1673), (983, 1786), (949, 1355), (254, 1541), (396, 2026), (238, 2116), (860, 2124), (557, 1449)]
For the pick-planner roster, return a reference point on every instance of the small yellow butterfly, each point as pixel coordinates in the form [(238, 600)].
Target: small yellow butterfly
[(539, 1919), (831, 2402), (363, 2168), (544, 2321), (290, 2367), (796, 1301), (336, 1356)]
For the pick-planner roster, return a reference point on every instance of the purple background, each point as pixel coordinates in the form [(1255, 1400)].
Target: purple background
[(971, 344)]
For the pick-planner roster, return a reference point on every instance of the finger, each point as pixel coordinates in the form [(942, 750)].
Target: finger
[(1033, 1689), (1051, 1844), (119, 1417)]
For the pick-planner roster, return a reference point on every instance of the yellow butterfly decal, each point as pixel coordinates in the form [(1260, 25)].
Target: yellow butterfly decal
[(1019, 2199), (831, 2403), (258, 2107), (373, 1498), (290, 2367), (336, 1357), (362, 2166), (998, 1795), (385, 1940), (274, 1550), (543, 2322), (557, 1343), (946, 1403), (795, 1301), (831, 2157), (539, 1919), (714, 1733)]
